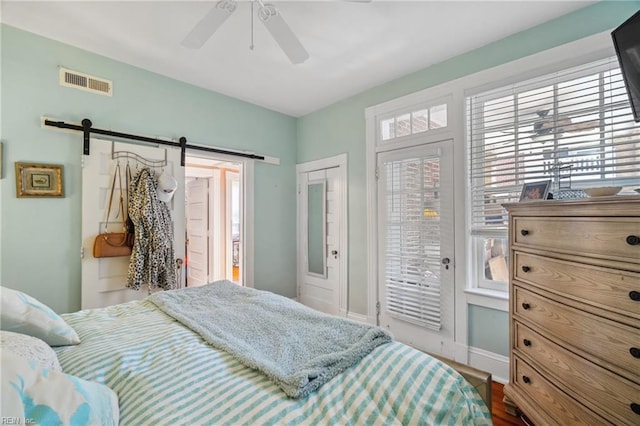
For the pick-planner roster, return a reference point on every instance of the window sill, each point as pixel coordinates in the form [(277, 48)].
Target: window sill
[(493, 299)]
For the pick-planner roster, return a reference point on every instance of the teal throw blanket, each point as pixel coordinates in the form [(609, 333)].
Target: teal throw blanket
[(297, 347)]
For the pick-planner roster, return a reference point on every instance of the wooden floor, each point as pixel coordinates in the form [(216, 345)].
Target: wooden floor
[(500, 417)]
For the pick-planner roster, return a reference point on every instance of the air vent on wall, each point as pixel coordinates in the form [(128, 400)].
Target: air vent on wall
[(86, 82)]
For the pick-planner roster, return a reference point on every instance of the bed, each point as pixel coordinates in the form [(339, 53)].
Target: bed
[(164, 373)]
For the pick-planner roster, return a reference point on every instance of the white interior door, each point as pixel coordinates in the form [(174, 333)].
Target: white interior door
[(320, 235), (415, 252), (104, 279), (197, 211)]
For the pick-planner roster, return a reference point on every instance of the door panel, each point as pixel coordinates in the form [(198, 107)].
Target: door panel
[(104, 279), (319, 234), (415, 231), (197, 211)]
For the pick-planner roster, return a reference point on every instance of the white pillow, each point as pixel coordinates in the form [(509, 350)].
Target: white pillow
[(47, 397), (30, 348), (22, 313)]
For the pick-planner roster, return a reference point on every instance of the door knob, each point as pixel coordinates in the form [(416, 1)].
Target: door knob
[(334, 253), (445, 262)]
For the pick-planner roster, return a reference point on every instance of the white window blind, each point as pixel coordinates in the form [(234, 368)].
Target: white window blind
[(574, 127), (412, 249)]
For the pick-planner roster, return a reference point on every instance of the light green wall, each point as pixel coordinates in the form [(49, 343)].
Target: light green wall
[(341, 126), (489, 329), (41, 237)]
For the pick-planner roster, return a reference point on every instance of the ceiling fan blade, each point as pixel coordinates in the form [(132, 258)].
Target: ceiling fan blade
[(282, 34), (209, 24)]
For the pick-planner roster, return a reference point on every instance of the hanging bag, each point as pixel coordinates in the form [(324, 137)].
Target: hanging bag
[(113, 244), (129, 226)]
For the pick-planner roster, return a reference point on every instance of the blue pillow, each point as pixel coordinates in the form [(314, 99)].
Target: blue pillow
[(22, 313), (45, 397)]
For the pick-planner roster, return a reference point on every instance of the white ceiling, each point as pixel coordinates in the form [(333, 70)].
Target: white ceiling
[(353, 45)]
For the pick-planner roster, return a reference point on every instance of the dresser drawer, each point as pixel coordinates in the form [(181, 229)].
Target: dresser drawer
[(605, 339), (599, 387), (556, 405), (602, 237), (610, 289)]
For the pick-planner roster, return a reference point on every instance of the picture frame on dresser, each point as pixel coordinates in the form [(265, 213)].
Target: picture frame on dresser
[(535, 190)]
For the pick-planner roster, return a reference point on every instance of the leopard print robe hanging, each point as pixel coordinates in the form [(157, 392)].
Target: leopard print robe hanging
[(152, 256)]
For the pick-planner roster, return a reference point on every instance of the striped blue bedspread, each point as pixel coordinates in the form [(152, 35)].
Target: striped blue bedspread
[(165, 374)]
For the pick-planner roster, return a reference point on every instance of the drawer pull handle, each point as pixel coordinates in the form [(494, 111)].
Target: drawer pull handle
[(525, 232), (635, 407), (635, 352), (633, 240), (634, 295), (525, 305), (525, 268), (527, 342), (528, 380)]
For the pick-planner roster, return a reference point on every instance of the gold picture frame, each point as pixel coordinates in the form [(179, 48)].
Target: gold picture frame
[(39, 180)]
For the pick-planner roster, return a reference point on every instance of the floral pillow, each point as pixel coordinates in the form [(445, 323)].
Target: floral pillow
[(31, 348), (22, 313), (45, 397)]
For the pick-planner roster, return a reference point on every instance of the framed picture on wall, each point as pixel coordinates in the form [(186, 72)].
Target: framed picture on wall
[(39, 180), (535, 190)]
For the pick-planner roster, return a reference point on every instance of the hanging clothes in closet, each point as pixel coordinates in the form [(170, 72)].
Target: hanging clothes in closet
[(152, 256)]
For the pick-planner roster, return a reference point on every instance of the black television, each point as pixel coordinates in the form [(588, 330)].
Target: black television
[(626, 39)]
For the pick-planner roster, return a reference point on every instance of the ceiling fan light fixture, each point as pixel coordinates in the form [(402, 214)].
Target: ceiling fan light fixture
[(282, 34), (209, 24)]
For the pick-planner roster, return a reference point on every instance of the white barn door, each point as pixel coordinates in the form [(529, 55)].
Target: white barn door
[(104, 279)]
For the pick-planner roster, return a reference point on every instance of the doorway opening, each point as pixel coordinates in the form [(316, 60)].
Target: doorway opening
[(213, 220)]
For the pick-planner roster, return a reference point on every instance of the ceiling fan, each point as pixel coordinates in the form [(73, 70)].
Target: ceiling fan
[(267, 13), (548, 124)]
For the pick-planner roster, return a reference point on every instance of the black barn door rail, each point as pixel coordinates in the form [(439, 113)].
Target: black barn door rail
[(86, 128)]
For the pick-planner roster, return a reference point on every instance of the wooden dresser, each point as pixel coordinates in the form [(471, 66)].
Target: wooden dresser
[(575, 310)]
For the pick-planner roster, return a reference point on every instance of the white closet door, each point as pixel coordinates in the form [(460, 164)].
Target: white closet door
[(319, 238), (104, 279)]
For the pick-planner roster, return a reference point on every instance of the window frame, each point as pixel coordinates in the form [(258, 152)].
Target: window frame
[(523, 66), (410, 110), (477, 236)]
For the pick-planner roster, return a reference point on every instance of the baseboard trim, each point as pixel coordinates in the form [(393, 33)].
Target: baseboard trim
[(358, 317), (496, 364), (461, 353)]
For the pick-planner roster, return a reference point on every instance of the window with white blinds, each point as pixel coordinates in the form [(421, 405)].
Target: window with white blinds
[(412, 247), (573, 127)]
